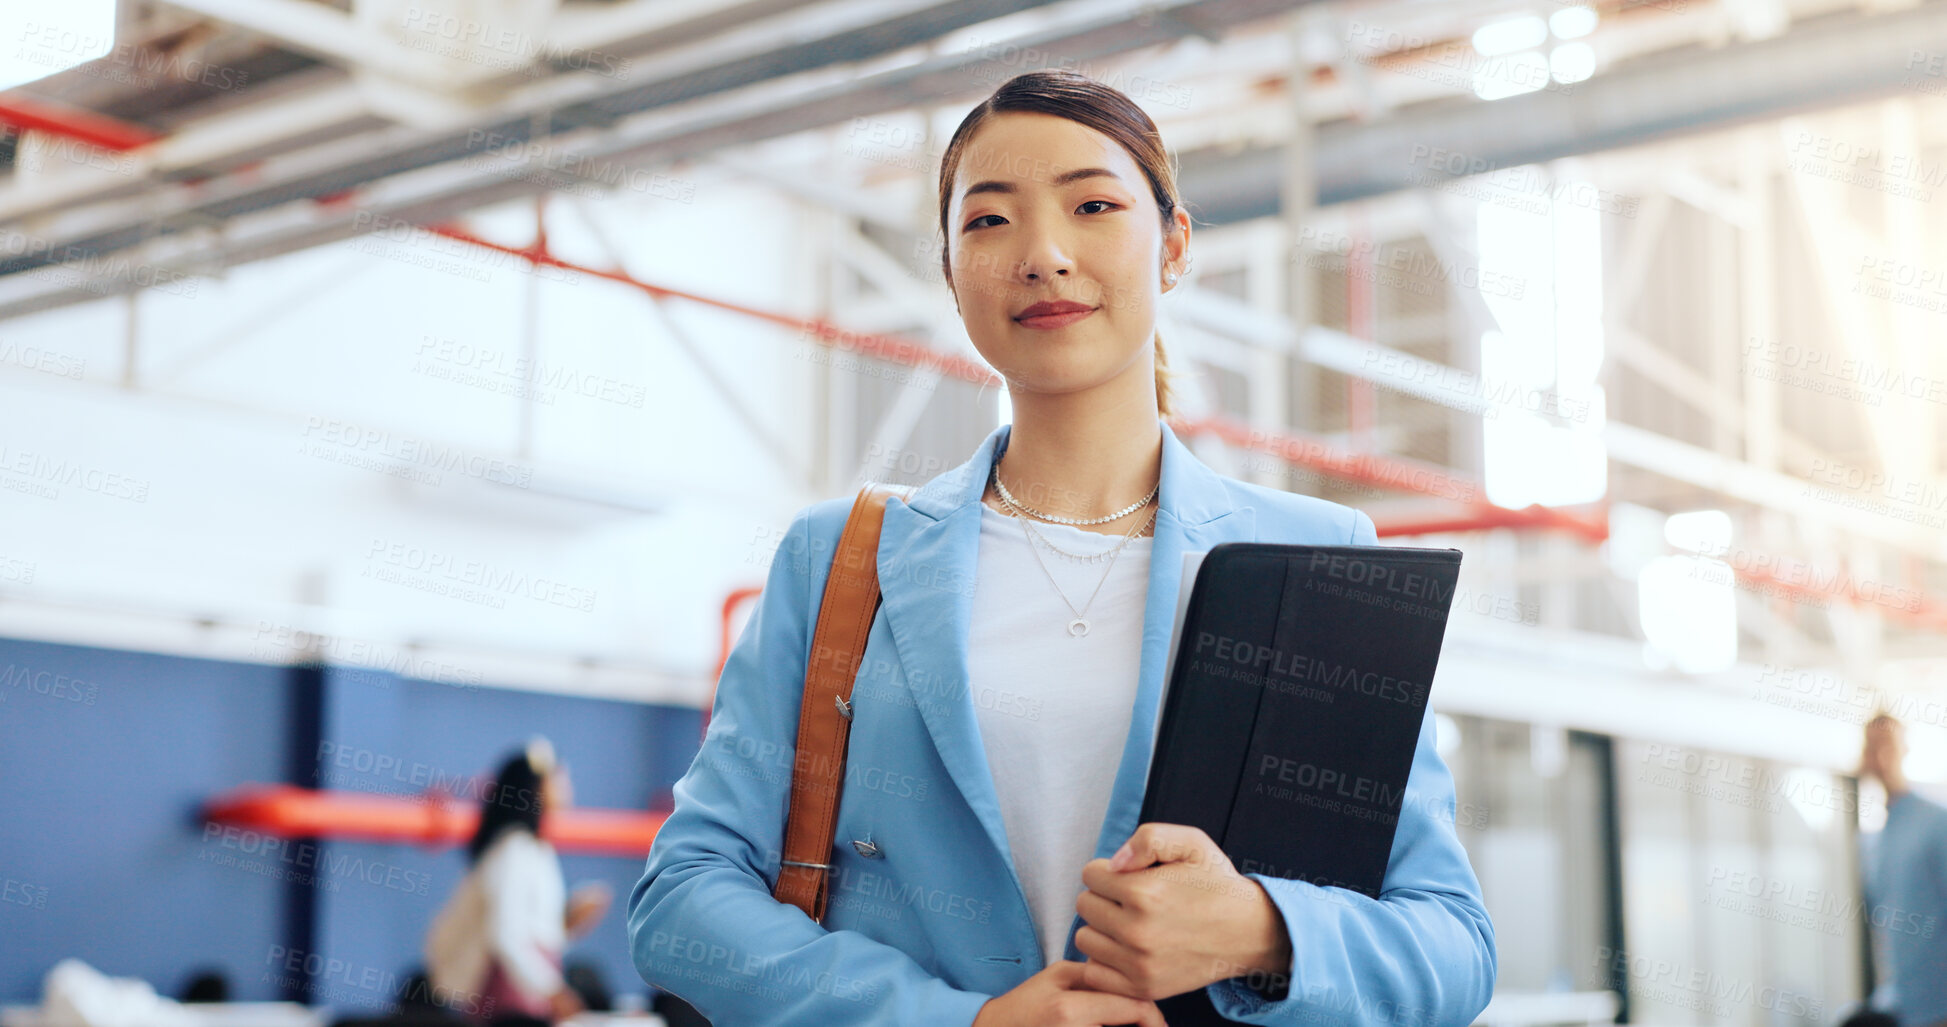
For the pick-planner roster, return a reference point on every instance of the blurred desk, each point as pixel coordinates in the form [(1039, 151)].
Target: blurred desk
[(291, 1014), (212, 1014), (1536, 1008)]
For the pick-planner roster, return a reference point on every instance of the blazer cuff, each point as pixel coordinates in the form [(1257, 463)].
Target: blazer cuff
[(1267, 998)]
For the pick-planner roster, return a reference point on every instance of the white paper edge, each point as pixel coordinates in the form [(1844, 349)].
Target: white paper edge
[(1184, 586)]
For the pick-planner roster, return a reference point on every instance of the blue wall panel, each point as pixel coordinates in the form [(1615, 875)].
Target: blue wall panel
[(106, 756)]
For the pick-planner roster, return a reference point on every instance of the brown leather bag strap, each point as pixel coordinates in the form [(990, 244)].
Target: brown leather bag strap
[(825, 714)]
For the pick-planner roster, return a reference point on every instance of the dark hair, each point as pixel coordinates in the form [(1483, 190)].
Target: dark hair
[(1075, 96), (514, 802)]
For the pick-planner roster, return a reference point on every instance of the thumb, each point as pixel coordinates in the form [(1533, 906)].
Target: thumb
[(1160, 843)]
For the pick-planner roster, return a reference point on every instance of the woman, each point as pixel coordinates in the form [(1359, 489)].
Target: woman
[(495, 949), (1004, 710)]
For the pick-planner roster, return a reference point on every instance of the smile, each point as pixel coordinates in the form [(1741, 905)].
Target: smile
[(1047, 321)]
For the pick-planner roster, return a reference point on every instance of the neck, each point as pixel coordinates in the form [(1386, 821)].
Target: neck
[(1084, 454)]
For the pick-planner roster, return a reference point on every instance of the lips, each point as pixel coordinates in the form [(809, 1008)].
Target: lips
[(1053, 314)]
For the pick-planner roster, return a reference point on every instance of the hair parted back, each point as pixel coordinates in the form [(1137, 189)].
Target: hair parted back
[(514, 804), (1079, 98)]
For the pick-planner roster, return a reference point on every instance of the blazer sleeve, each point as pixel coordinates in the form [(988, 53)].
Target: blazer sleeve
[(702, 921), (1420, 953)]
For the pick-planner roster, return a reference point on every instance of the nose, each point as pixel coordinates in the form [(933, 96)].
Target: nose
[(1044, 259)]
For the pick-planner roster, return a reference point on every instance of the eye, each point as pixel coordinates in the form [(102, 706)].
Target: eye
[(976, 222)]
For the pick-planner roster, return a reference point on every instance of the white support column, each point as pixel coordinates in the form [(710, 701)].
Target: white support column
[(1915, 341), (1720, 335), (1757, 298), (1757, 305), (1284, 391), (1863, 324), (132, 323), (840, 389), (530, 358)]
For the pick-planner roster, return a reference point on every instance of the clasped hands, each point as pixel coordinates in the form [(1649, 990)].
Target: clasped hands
[(1168, 913)]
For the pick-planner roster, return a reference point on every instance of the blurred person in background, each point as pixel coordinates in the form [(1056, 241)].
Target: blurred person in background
[(495, 950), (1906, 884)]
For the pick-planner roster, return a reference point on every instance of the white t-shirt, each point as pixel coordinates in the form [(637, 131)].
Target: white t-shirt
[(1054, 709), (511, 905)]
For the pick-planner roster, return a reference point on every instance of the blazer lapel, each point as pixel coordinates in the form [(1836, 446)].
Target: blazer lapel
[(928, 546)]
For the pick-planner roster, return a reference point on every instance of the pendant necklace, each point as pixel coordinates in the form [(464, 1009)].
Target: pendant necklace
[(1078, 627)]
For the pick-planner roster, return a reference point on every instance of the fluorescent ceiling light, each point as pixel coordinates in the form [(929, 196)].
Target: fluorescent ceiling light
[(1572, 62), (1688, 609), (1509, 35), (1504, 77), (1573, 22), (1700, 531)]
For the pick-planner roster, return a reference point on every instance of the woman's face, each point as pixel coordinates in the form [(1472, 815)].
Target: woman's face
[(1029, 221)]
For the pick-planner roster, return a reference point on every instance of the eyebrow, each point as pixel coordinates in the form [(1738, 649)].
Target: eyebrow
[(1062, 179)]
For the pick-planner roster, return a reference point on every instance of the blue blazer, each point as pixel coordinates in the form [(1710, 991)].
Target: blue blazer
[(927, 919)]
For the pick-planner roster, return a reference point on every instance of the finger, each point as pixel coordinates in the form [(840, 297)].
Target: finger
[(1104, 950), (1099, 878), (1152, 1017), (1160, 843), (1064, 973), (1111, 918), (1100, 976)]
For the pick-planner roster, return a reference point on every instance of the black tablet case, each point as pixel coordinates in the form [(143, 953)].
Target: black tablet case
[(1294, 707)]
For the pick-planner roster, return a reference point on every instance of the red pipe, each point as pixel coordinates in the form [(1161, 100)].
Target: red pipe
[(1361, 320), (99, 129), (1295, 449), (1392, 473), (1301, 451), (433, 820), (730, 603), (884, 347), (1920, 611), (1395, 473), (1592, 525)]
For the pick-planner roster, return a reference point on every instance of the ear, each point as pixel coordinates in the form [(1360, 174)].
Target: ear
[(1176, 250), (1176, 243)]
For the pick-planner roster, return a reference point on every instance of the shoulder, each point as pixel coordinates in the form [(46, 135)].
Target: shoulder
[(1289, 517), (815, 529), (1922, 809), (804, 549), (826, 518)]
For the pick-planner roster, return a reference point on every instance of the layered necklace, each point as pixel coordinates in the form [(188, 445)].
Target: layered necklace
[(1020, 511)]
